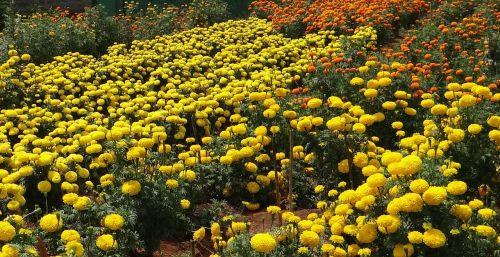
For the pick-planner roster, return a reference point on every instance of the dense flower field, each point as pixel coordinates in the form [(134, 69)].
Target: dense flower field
[(394, 145)]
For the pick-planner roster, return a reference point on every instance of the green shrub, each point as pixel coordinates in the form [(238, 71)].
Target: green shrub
[(4, 7), (206, 12)]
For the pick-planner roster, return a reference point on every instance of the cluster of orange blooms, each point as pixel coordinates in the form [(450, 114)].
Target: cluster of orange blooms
[(343, 15)]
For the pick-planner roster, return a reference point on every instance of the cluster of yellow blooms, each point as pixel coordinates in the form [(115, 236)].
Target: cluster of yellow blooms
[(398, 181), (77, 117), (70, 119), (347, 217)]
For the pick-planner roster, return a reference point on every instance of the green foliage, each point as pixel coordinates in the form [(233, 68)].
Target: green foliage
[(206, 12), (5, 8), (93, 31)]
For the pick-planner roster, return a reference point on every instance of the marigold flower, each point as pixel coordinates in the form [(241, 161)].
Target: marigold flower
[(263, 243), (106, 242), (7, 231), (51, 223), (434, 238), (309, 238)]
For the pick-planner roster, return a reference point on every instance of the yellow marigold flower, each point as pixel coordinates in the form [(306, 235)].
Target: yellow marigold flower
[(388, 224), (215, 229), (332, 193), (403, 250), (74, 248), (370, 93), (93, 149), (172, 183), (225, 135), (146, 143), (335, 102), (456, 188), (253, 187), (369, 170), (238, 227), (390, 157), (263, 243), (343, 166), (82, 203), (389, 105), (273, 210), (303, 250), (419, 186), (456, 135), (494, 121), (494, 135), (461, 211), (485, 231), (357, 81), (25, 57), (360, 160), (304, 125), (384, 82), (199, 234), (320, 229), (136, 153), (114, 221), (336, 123), (7, 231), (412, 164), (327, 248), (415, 237), (71, 176), (309, 238), (376, 180), (372, 83), (239, 129), (188, 175), (427, 103), (435, 195), (353, 250), (319, 188), (359, 128), (51, 223), (131, 187), (486, 213), (367, 233), (269, 113), (348, 196), (321, 205), (226, 160), (69, 235), (70, 198), (434, 238), (106, 242), (466, 101), (363, 252), (476, 204), (474, 129), (397, 125), (314, 103), (251, 167), (185, 203), (13, 205), (439, 109)]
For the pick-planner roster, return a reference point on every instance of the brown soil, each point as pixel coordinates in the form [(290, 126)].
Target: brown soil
[(262, 221), (171, 248)]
